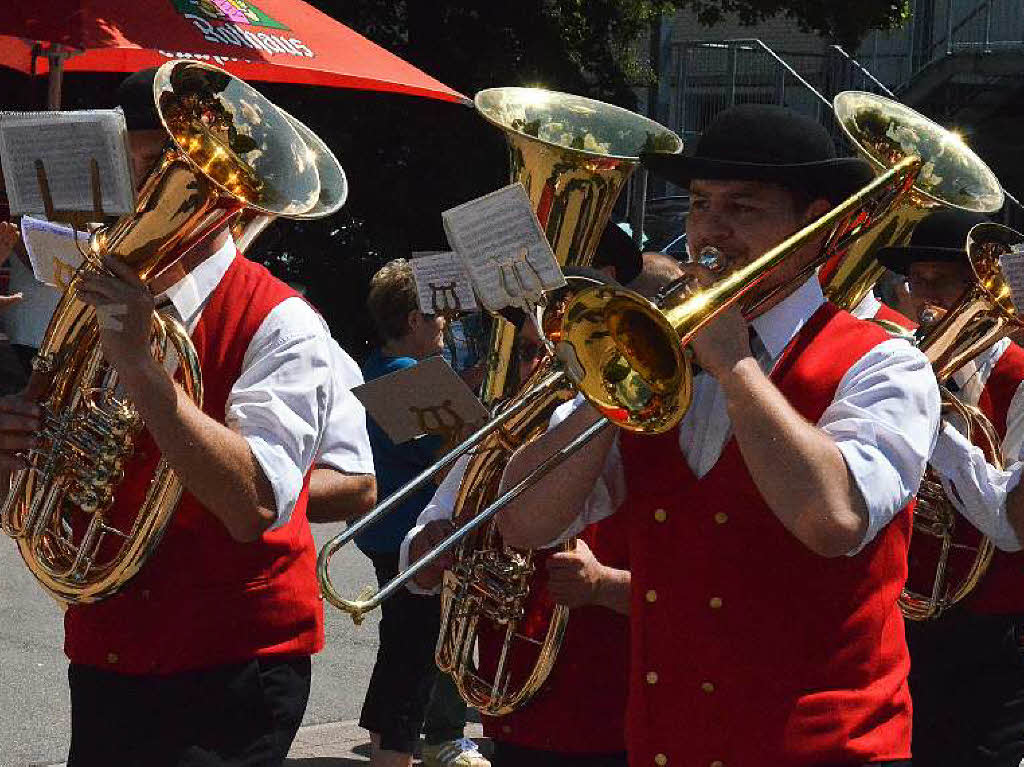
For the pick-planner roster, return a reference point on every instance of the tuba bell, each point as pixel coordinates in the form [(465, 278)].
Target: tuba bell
[(573, 156), (229, 149)]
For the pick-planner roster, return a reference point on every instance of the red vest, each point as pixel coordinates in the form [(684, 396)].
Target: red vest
[(887, 313), (581, 708), (204, 599), (747, 648), (1001, 589)]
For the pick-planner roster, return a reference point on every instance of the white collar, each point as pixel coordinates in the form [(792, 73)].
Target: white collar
[(190, 293), (777, 326)]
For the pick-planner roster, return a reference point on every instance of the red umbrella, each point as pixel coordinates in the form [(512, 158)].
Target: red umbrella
[(284, 41)]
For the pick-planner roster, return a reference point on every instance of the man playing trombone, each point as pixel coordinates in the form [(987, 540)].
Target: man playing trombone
[(967, 669), (768, 531)]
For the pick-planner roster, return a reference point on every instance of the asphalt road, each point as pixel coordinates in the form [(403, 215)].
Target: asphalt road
[(34, 709)]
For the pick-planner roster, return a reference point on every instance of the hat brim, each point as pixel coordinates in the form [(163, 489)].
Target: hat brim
[(833, 179), (899, 259)]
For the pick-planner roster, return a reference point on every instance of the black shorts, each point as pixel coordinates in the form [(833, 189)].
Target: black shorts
[(243, 715)]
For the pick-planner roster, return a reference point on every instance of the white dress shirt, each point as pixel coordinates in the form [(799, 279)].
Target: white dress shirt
[(976, 488), (883, 419), (867, 308), (286, 394)]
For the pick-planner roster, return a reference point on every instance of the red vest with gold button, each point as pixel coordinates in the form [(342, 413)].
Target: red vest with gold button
[(1001, 589), (754, 650), (581, 708), (204, 599)]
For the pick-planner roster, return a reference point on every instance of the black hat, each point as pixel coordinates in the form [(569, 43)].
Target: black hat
[(135, 97), (942, 236), (617, 249), (763, 142)]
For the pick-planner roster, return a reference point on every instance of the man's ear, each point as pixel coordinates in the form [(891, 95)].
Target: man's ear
[(413, 320)]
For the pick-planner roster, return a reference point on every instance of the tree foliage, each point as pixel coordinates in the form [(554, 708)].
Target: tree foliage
[(845, 23)]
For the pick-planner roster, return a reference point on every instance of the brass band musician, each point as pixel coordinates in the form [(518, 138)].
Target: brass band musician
[(768, 531), (967, 666)]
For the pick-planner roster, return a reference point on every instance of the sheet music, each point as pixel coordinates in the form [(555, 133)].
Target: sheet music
[(52, 251), (500, 240), (66, 142), (442, 282), (1012, 266)]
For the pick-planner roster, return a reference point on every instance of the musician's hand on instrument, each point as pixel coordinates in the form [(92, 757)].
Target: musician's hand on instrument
[(124, 312), (574, 577), (19, 424), (425, 541), (726, 339)]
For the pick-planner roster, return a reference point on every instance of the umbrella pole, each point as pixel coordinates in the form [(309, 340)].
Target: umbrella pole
[(56, 55)]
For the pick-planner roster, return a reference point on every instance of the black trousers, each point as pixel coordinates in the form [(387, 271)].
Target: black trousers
[(967, 682), (405, 687), (243, 715)]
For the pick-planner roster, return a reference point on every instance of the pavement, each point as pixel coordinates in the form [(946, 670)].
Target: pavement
[(34, 706), (336, 744)]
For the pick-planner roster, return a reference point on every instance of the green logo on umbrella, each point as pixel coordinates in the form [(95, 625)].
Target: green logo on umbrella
[(228, 11)]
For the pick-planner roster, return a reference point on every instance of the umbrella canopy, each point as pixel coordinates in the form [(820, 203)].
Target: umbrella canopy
[(284, 41)]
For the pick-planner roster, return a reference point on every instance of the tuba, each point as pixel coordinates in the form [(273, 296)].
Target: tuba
[(947, 555), (229, 149), (573, 155)]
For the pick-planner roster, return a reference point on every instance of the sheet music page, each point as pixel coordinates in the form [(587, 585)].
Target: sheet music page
[(442, 282), (52, 251), (66, 142), (500, 240), (1012, 265)]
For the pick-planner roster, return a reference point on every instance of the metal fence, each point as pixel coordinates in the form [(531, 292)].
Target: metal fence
[(940, 28)]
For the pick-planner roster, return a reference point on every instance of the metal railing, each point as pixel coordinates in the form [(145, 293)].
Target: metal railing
[(940, 28)]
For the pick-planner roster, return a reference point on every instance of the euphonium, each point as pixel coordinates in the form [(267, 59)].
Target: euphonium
[(229, 149), (573, 155), (948, 556)]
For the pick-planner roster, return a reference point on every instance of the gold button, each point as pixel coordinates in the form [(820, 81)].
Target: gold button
[(652, 677), (112, 657), (717, 763), (651, 595), (721, 517), (715, 602), (506, 729), (661, 760), (660, 515), (707, 687)]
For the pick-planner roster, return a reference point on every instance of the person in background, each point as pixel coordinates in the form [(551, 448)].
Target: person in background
[(967, 665), (402, 683)]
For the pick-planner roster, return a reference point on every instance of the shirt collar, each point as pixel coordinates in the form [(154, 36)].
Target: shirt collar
[(189, 294), (777, 326)]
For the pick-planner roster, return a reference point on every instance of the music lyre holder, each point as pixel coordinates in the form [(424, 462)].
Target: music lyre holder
[(511, 273), (78, 220)]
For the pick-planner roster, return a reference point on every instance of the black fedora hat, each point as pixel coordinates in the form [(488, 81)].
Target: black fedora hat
[(942, 236), (135, 97), (764, 142), (617, 250)]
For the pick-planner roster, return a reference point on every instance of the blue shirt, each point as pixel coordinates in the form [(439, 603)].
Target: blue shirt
[(395, 465)]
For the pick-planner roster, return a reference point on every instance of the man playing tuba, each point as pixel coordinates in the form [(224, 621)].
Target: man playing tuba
[(204, 656), (967, 672), (768, 531)]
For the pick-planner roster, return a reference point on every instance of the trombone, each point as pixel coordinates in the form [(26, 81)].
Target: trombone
[(624, 355)]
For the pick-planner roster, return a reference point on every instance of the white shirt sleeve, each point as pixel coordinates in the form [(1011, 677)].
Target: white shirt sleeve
[(346, 444), (280, 402), (976, 488), (441, 506), (884, 420)]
